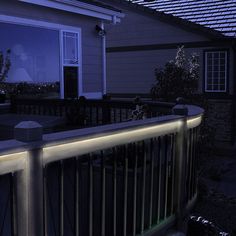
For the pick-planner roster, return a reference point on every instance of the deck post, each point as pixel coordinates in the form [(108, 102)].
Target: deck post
[(29, 182), (181, 155)]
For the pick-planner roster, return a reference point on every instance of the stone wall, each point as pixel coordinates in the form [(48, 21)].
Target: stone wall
[(220, 118)]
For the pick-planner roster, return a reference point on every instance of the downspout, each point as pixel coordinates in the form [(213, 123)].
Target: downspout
[(104, 66)]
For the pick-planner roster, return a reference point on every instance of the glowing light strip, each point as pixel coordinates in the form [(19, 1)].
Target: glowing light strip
[(12, 162), (67, 150), (194, 122)]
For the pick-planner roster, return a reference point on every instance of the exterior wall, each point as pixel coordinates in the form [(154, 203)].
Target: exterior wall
[(133, 71), (135, 50), (220, 118), (141, 29), (91, 43)]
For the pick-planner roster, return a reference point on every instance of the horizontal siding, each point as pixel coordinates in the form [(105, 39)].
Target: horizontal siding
[(137, 28), (134, 72)]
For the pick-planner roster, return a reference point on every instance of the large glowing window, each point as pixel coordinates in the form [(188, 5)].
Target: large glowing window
[(35, 53)]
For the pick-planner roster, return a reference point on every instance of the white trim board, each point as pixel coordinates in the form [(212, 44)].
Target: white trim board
[(35, 23), (93, 95), (79, 8)]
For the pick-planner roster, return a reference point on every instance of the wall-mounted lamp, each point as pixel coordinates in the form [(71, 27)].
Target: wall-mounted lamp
[(100, 31)]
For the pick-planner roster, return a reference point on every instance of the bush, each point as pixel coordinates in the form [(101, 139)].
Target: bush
[(178, 78), (5, 65)]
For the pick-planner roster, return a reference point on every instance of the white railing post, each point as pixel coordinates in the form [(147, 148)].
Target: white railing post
[(29, 182), (181, 155)]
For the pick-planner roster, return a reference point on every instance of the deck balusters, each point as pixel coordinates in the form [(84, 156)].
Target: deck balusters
[(152, 152), (114, 178), (103, 193), (77, 203), (125, 188), (144, 152), (61, 197), (159, 175), (135, 156), (166, 177), (13, 205), (195, 156), (147, 177), (90, 177), (173, 140), (45, 200)]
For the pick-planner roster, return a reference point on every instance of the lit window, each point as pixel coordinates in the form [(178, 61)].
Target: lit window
[(216, 71)]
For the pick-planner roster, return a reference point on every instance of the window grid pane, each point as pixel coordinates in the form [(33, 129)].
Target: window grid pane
[(215, 76), (70, 48)]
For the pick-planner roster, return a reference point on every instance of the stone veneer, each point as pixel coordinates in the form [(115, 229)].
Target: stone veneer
[(220, 118)]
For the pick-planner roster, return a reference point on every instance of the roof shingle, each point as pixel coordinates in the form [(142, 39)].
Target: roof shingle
[(219, 15)]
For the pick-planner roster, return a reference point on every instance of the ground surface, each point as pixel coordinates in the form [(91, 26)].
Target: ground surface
[(217, 191)]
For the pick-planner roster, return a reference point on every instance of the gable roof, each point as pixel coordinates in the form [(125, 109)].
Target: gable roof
[(216, 15)]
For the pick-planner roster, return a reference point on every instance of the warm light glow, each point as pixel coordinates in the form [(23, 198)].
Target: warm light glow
[(12, 162), (194, 122), (88, 145)]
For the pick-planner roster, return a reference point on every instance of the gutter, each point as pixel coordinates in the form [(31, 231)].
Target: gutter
[(80, 8)]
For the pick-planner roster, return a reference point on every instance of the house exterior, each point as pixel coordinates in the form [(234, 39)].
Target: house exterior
[(56, 41), (148, 37)]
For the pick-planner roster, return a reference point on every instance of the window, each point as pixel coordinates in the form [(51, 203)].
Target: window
[(70, 48), (71, 64), (216, 71), (35, 57)]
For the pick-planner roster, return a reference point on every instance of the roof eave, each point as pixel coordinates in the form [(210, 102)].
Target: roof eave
[(80, 8), (210, 33)]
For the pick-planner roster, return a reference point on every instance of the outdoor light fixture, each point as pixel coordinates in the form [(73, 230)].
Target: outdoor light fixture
[(101, 32), (81, 147)]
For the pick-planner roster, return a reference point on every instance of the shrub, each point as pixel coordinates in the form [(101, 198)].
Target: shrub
[(178, 78), (5, 65)]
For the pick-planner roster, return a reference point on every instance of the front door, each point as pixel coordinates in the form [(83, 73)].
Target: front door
[(70, 63)]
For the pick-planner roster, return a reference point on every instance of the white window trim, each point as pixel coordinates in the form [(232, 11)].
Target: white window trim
[(226, 72), (79, 64), (35, 23), (93, 95)]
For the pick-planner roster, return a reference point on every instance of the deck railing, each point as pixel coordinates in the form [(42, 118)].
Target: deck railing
[(130, 178), (91, 112)]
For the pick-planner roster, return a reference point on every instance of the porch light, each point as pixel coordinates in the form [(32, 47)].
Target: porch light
[(101, 32)]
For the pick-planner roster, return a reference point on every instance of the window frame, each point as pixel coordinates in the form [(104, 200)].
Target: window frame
[(78, 64), (53, 26), (226, 79)]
